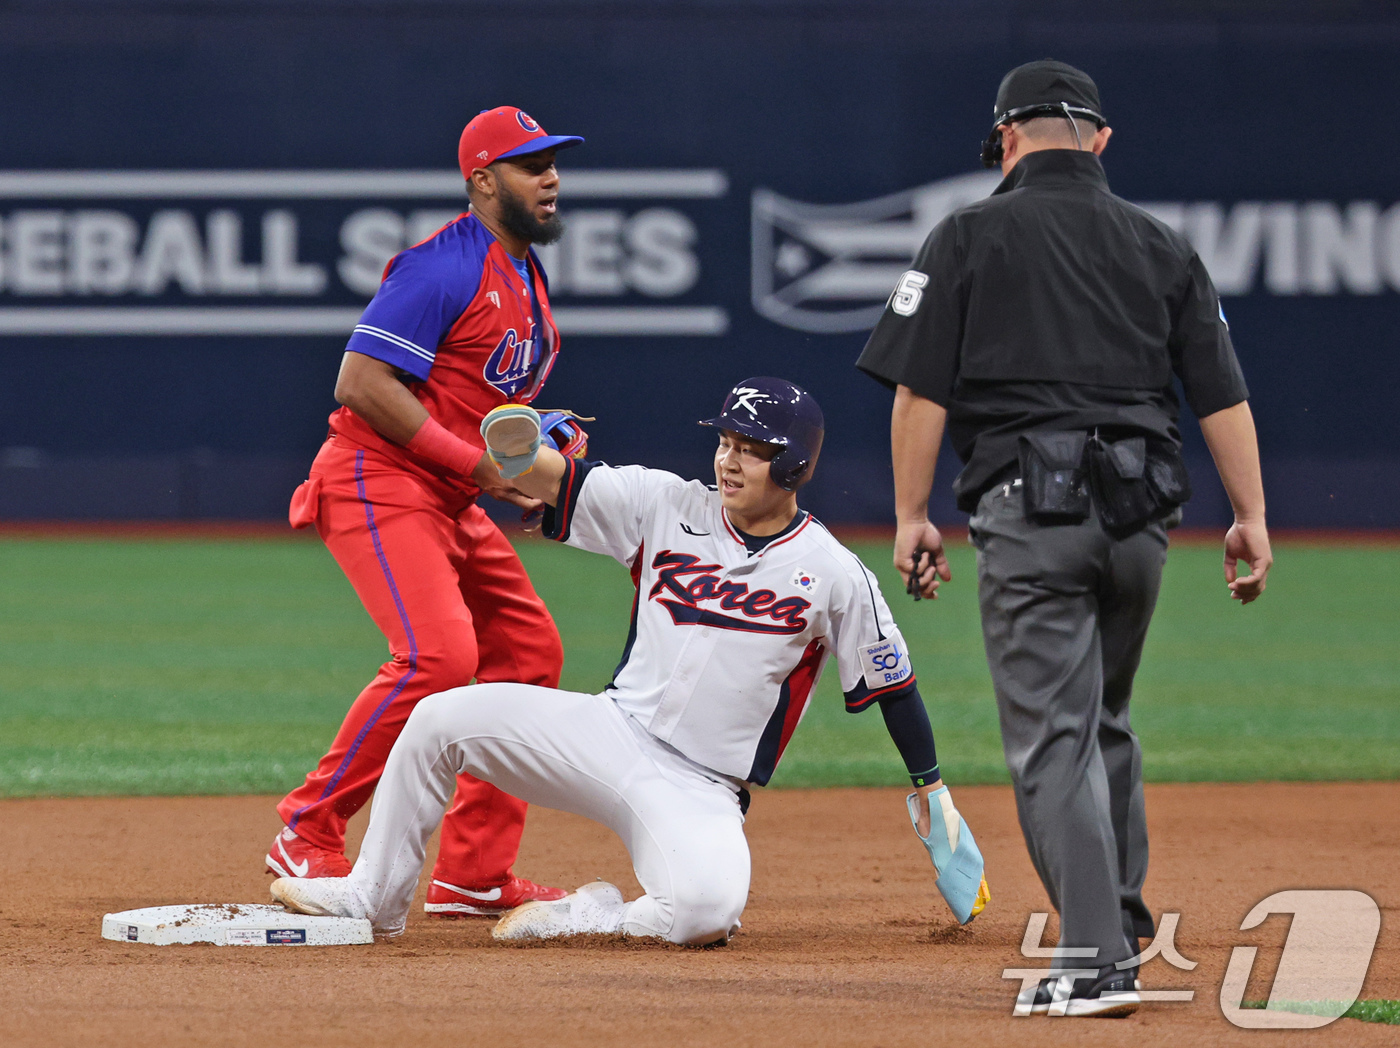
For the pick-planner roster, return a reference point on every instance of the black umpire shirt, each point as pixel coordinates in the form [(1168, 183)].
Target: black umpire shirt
[(1054, 305)]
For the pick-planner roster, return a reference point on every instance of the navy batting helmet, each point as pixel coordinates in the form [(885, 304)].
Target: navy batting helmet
[(774, 411)]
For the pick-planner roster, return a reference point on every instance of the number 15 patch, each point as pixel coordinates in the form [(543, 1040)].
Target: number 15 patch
[(885, 663)]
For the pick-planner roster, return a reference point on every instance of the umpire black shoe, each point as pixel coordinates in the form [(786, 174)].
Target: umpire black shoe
[(1112, 994)]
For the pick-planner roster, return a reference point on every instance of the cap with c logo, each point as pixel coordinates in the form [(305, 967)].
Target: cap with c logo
[(504, 132)]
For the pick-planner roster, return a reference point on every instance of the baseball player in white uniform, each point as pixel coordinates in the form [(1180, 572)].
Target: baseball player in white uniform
[(742, 598)]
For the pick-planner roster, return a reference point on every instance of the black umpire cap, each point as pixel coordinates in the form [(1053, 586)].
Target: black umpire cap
[(1051, 85), (1043, 88)]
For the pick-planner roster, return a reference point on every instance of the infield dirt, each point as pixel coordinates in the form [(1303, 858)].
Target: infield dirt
[(845, 940)]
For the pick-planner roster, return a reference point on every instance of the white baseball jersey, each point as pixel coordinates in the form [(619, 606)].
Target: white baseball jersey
[(726, 646)]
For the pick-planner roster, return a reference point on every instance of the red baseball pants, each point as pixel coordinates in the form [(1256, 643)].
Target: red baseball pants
[(452, 598)]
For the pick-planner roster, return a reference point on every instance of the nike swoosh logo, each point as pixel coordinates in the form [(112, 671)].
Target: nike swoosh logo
[(297, 870), (687, 529), (491, 896)]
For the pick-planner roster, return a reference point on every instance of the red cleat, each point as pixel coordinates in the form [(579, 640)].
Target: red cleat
[(290, 856), (448, 900)]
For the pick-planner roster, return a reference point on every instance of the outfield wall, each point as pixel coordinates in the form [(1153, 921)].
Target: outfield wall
[(196, 200)]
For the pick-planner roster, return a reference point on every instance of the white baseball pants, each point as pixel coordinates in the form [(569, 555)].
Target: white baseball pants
[(577, 753)]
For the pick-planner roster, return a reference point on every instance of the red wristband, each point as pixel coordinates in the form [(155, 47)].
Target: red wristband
[(436, 444)]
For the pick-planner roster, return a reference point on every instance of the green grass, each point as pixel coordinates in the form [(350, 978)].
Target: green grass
[(1303, 684), (142, 667), (1377, 1011)]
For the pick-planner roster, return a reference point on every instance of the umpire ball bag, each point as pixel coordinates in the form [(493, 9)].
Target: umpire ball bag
[(1129, 481)]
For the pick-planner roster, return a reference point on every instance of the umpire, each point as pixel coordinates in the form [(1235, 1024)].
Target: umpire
[(1043, 326)]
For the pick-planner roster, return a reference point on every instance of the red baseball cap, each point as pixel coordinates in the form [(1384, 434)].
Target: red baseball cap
[(504, 131)]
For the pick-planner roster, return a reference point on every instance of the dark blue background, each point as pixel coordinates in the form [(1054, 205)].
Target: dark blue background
[(823, 102)]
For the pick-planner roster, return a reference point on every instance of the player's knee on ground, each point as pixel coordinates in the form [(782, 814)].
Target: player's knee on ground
[(707, 893), (706, 912)]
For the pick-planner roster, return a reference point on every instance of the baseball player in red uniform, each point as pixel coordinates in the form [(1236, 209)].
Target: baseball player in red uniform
[(460, 325)]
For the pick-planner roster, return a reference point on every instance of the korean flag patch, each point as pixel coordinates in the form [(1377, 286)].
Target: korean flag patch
[(805, 581), (886, 663)]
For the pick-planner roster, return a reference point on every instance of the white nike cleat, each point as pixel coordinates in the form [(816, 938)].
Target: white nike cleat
[(325, 897), (595, 909)]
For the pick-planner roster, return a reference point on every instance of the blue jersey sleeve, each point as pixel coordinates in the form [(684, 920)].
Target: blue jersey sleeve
[(427, 288)]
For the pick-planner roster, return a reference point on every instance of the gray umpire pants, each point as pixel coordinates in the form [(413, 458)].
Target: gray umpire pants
[(1065, 611)]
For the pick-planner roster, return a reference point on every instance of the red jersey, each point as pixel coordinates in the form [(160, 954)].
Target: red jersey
[(456, 315)]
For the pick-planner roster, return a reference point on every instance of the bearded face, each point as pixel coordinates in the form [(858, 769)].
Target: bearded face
[(519, 219)]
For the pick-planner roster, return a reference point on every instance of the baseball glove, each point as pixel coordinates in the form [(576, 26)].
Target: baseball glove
[(560, 429), (513, 434)]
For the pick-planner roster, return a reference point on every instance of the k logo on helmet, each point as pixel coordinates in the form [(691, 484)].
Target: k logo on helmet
[(746, 397)]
